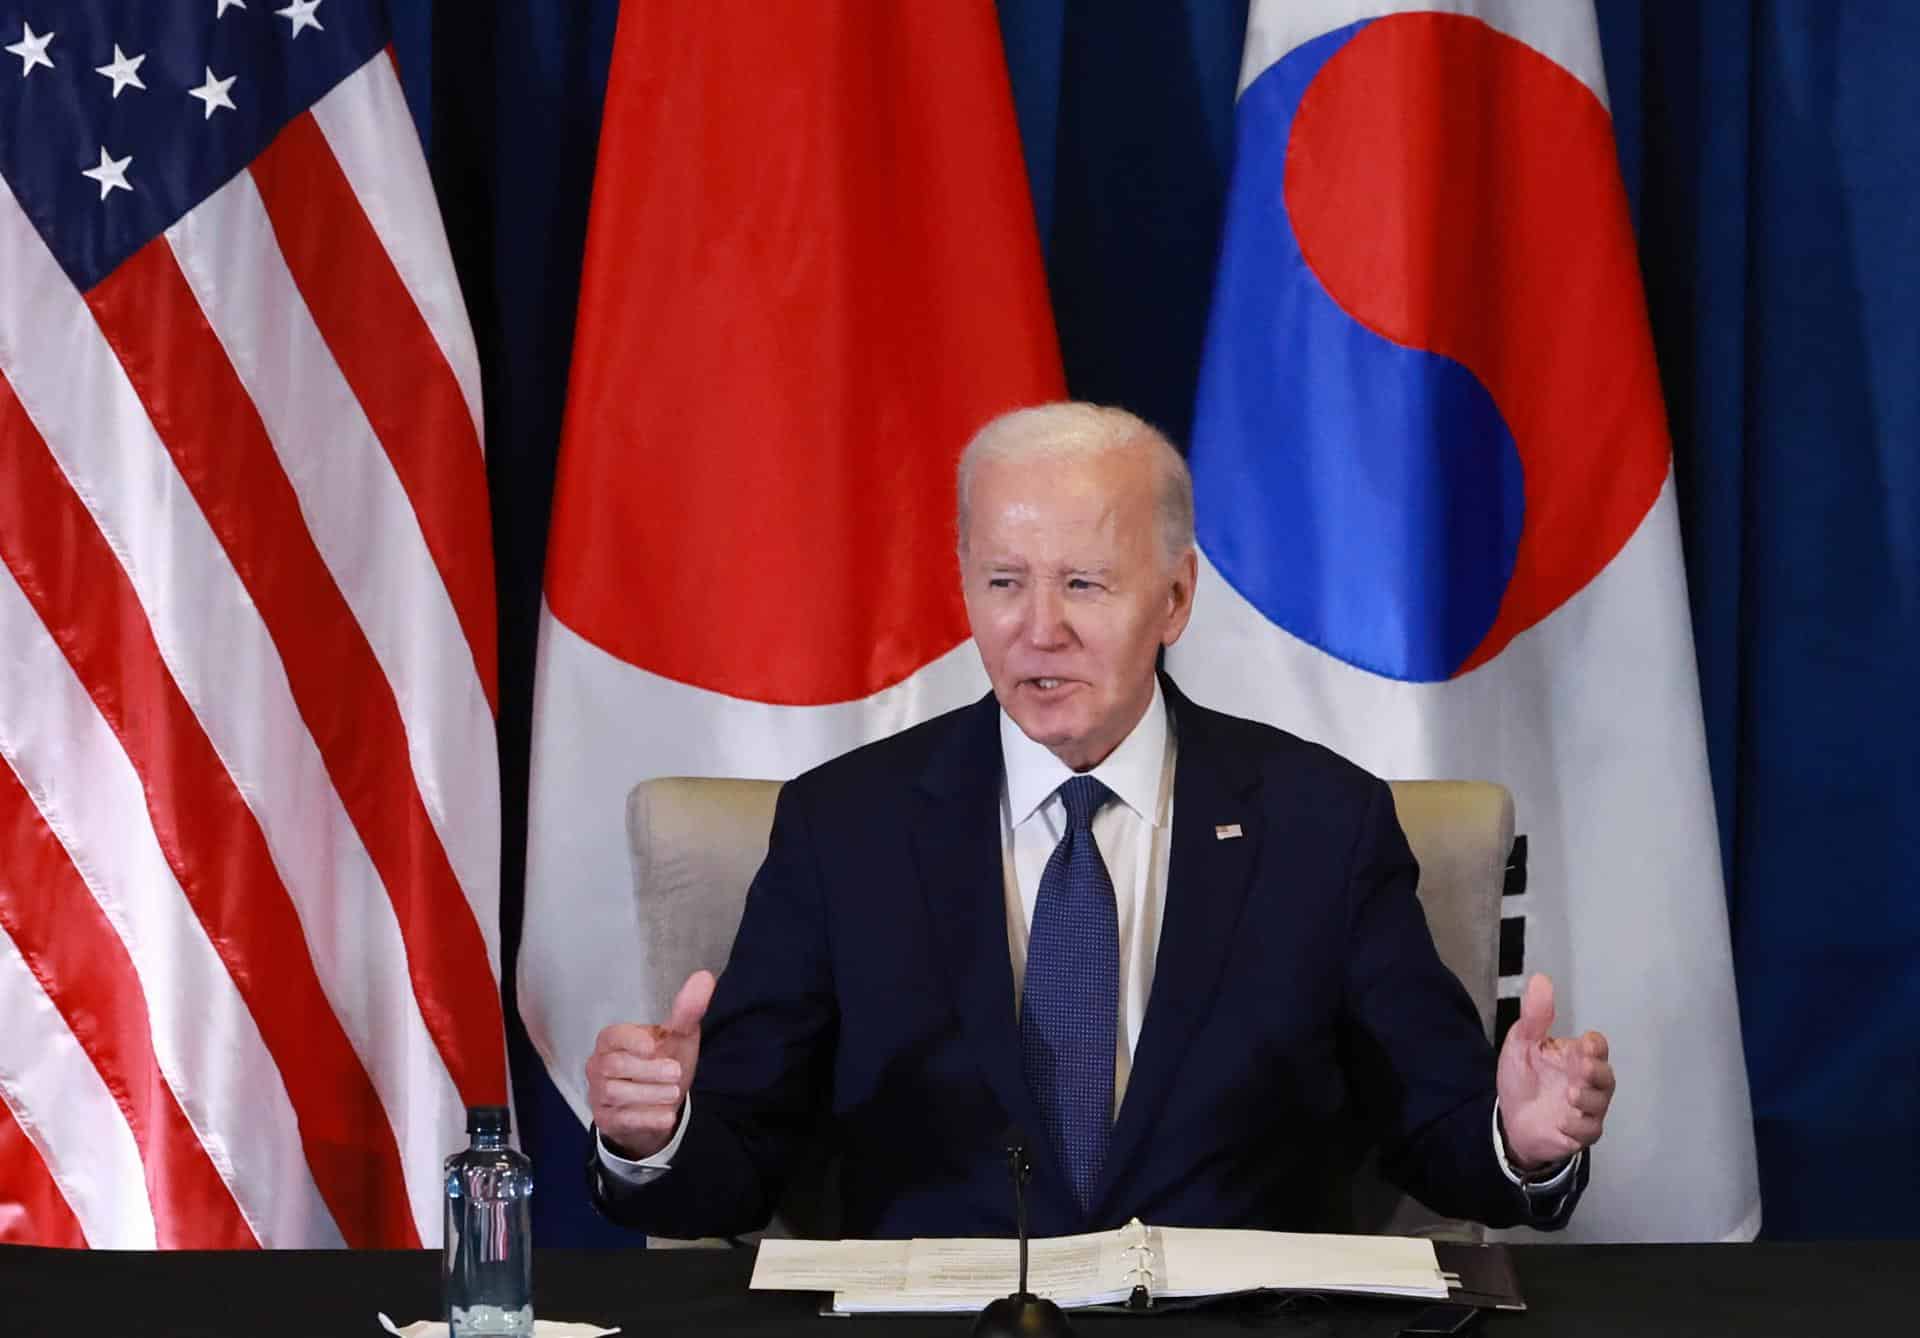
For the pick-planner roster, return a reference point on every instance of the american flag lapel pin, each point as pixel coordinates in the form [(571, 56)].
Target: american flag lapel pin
[(1226, 831)]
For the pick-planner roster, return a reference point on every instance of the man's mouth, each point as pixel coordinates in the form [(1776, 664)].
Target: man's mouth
[(1048, 684)]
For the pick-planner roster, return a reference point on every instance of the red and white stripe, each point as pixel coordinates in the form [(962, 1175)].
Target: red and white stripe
[(249, 805)]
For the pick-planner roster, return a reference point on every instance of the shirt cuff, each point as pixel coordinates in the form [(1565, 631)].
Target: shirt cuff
[(647, 1169), (1535, 1188)]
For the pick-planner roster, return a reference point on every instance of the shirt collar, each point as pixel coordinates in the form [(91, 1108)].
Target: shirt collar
[(1132, 770)]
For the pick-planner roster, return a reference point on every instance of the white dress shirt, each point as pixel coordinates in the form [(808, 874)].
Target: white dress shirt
[(1133, 831)]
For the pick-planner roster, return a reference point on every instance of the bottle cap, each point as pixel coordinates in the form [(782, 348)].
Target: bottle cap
[(487, 1119)]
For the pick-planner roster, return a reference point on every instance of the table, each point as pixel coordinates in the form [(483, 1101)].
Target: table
[(1620, 1291)]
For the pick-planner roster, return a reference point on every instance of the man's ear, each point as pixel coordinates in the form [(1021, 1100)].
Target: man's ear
[(1180, 597)]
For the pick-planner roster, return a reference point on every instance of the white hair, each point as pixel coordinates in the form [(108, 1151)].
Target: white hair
[(1079, 431)]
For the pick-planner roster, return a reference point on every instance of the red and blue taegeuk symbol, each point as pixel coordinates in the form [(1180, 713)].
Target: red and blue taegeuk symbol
[(1429, 413)]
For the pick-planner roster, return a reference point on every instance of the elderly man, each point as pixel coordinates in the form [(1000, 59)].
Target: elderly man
[(1181, 951)]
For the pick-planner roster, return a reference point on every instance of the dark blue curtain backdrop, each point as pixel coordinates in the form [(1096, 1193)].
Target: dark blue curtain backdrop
[(1776, 156), (1772, 152)]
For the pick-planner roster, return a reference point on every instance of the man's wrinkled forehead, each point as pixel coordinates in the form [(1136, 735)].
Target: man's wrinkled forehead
[(1055, 499)]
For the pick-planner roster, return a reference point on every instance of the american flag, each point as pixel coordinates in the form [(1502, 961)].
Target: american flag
[(249, 802)]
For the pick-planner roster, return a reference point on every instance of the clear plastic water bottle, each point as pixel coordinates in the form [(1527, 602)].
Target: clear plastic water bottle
[(487, 1265)]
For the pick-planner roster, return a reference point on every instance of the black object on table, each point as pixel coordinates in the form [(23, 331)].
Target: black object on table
[(1021, 1315), (1831, 1290)]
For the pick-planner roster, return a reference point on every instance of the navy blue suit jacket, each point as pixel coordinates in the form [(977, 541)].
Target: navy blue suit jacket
[(1298, 1008)]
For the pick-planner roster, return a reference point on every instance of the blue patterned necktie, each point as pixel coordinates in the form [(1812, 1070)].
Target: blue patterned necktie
[(1069, 1007)]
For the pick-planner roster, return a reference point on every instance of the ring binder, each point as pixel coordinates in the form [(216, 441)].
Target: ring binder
[(1140, 1272), (1136, 1268)]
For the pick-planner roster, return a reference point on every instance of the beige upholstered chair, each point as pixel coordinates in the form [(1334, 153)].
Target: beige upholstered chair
[(697, 843)]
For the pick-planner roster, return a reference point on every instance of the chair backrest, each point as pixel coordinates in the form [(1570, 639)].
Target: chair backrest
[(1461, 833), (697, 843)]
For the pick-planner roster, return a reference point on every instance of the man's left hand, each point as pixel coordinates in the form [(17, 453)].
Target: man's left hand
[(1554, 1091)]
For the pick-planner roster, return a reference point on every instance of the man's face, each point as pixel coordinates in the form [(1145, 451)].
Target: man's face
[(1070, 595)]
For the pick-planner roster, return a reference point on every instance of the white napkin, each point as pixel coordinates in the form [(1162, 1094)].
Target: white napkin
[(542, 1328)]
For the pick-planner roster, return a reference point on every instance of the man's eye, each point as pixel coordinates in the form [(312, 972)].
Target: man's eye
[(1081, 583), (999, 582)]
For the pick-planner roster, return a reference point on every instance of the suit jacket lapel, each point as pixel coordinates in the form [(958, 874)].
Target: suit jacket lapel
[(1207, 882), (956, 837)]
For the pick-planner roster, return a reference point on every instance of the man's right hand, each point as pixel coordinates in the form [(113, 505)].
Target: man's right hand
[(639, 1073)]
